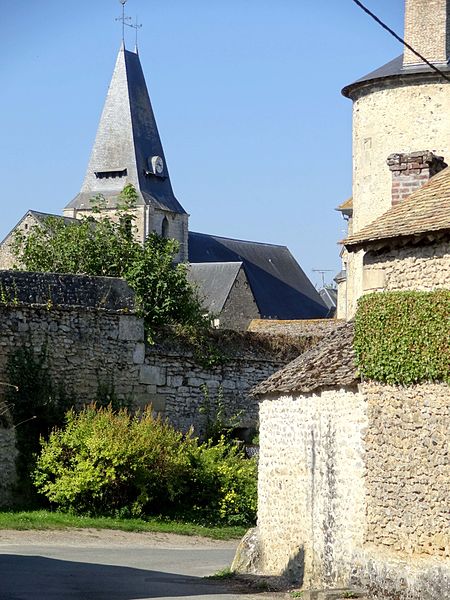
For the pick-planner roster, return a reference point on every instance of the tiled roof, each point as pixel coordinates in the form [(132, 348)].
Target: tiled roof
[(346, 206), (427, 210), (331, 363)]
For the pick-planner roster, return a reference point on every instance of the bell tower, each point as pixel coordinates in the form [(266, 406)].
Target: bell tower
[(128, 150)]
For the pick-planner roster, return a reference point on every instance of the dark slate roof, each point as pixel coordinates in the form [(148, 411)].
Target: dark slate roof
[(39, 216), (214, 281), (127, 136), (392, 69), (331, 363), (329, 296), (280, 287)]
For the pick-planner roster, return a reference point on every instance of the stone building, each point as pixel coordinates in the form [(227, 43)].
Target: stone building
[(353, 479), (408, 247), (354, 475), (399, 108), (128, 150)]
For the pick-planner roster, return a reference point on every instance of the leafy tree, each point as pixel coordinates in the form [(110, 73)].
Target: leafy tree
[(104, 246)]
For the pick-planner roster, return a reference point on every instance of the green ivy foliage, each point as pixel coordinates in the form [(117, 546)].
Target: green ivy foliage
[(105, 462), (36, 405), (404, 337)]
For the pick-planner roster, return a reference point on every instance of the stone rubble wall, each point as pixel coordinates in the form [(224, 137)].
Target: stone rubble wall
[(89, 348), (8, 455), (311, 486), (181, 388), (353, 489), (408, 469), (410, 268), (295, 328), (54, 289)]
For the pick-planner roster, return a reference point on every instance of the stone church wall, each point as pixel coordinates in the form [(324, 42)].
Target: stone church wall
[(353, 489), (240, 307)]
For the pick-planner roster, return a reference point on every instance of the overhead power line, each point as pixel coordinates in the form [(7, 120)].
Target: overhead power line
[(399, 39)]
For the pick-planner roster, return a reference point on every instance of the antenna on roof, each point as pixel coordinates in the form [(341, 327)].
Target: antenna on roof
[(322, 272), (124, 20)]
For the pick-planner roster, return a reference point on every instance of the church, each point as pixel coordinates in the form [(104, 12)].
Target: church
[(241, 280)]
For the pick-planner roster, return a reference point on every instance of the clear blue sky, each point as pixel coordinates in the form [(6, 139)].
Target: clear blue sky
[(246, 95)]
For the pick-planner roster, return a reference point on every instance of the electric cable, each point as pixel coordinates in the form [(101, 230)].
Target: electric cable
[(399, 39)]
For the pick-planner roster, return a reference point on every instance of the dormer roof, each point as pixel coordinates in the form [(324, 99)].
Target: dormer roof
[(127, 146)]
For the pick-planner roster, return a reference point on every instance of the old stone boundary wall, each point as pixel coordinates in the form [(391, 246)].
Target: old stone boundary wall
[(353, 489), (421, 268), (93, 337), (295, 328)]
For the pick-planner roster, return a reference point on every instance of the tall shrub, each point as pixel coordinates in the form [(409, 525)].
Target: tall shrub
[(107, 462)]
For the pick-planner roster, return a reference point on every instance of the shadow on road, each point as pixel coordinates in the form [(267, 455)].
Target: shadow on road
[(41, 578)]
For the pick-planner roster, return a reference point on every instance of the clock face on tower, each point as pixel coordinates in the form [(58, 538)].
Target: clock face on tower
[(157, 165)]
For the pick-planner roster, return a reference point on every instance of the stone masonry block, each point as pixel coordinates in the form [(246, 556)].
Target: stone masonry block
[(150, 374), (139, 354), (131, 328)]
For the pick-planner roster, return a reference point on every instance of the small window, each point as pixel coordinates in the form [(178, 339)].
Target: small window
[(165, 228)]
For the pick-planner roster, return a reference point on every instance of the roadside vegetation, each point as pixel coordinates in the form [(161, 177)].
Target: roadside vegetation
[(108, 463), (49, 520), (104, 466)]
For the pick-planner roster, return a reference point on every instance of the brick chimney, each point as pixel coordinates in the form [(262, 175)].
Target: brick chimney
[(427, 30), (411, 171)]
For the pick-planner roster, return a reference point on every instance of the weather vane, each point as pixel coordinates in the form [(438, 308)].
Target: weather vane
[(124, 19), (136, 26)]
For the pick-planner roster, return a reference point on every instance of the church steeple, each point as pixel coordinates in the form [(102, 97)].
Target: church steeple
[(128, 149)]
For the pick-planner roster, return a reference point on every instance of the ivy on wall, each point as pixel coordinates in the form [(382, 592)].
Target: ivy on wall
[(404, 337)]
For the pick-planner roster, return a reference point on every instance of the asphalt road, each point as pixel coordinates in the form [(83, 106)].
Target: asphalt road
[(94, 565)]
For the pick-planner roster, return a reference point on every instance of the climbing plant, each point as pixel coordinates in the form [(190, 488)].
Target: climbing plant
[(404, 337)]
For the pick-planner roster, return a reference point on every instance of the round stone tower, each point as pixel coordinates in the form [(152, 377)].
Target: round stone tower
[(402, 107)]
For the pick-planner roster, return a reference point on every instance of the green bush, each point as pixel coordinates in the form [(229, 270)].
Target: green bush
[(112, 463), (107, 462), (403, 337), (221, 484)]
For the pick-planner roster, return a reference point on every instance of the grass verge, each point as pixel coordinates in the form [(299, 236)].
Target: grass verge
[(43, 519)]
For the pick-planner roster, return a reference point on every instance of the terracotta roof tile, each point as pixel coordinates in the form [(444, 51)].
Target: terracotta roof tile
[(426, 210), (347, 205), (330, 363)]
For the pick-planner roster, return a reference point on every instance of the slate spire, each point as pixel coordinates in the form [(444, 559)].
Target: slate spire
[(127, 146)]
